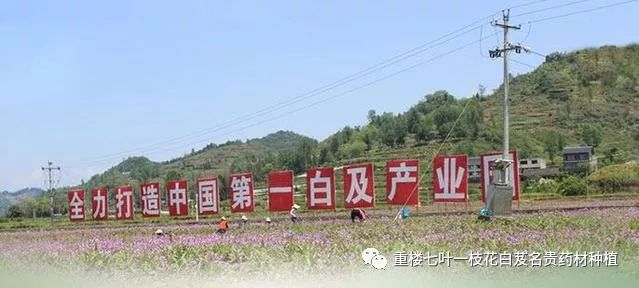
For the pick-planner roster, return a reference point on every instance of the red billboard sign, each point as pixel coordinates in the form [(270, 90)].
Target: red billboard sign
[(100, 203), (450, 178), (178, 198), (208, 196), (320, 188), (150, 199), (76, 205), (124, 203), (402, 182), (359, 186), (241, 192), (280, 190)]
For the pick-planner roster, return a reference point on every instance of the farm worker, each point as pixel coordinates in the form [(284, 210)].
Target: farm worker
[(222, 225), (293, 214), (243, 220), (405, 213), (358, 213)]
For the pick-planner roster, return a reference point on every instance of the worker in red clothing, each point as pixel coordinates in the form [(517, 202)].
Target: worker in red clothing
[(222, 226), (359, 214)]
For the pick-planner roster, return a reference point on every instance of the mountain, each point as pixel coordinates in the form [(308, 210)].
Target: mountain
[(212, 160), (9, 198)]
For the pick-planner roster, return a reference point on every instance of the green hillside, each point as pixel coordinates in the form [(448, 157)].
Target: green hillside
[(232, 156)]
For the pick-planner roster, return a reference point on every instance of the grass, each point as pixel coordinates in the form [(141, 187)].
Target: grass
[(317, 245)]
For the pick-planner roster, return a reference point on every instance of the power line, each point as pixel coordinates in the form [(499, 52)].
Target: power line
[(348, 79), (164, 149), (269, 109), (522, 63), (551, 8), (526, 4), (583, 11)]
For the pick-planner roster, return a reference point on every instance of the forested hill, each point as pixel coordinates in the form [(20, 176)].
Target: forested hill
[(588, 96), (233, 156)]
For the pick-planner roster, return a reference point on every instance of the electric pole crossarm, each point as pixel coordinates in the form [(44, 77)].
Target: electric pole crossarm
[(51, 191)]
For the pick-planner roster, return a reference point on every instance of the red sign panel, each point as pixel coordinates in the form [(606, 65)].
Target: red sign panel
[(241, 192), (320, 188), (178, 198), (450, 178), (402, 182), (76, 205), (100, 204), (280, 190), (359, 186), (208, 195), (150, 199), (124, 203), (488, 169)]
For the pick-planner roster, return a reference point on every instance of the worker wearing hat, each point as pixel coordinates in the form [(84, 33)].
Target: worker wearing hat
[(222, 225), (293, 214)]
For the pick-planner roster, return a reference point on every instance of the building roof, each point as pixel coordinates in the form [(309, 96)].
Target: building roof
[(581, 149)]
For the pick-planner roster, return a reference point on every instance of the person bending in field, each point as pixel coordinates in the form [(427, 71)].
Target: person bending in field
[(293, 213), (359, 214), (222, 226)]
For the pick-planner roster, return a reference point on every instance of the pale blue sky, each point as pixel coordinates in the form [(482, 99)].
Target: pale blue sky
[(81, 80)]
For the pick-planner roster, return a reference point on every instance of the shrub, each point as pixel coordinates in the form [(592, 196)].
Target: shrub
[(616, 177), (543, 186), (573, 186)]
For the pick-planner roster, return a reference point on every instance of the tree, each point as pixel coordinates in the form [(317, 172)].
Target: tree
[(425, 128), (373, 119), (481, 90), (439, 99), (591, 134), (352, 150), (553, 143), (444, 118), (14, 211), (473, 119), (412, 120), (173, 175)]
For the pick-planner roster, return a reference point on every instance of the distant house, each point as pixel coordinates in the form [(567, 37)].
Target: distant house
[(474, 169), (576, 158), (531, 163)]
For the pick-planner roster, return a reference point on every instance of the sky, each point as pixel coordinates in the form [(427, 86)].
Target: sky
[(86, 84)]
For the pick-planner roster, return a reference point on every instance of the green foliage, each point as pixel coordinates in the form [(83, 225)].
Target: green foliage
[(543, 186), (615, 178), (14, 211), (352, 150), (573, 186), (591, 134), (553, 142), (444, 118)]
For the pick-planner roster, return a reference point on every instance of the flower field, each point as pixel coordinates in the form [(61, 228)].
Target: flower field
[(317, 245)]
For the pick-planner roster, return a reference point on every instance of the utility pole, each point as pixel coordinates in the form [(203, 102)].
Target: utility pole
[(49, 170), (504, 163), (499, 200)]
